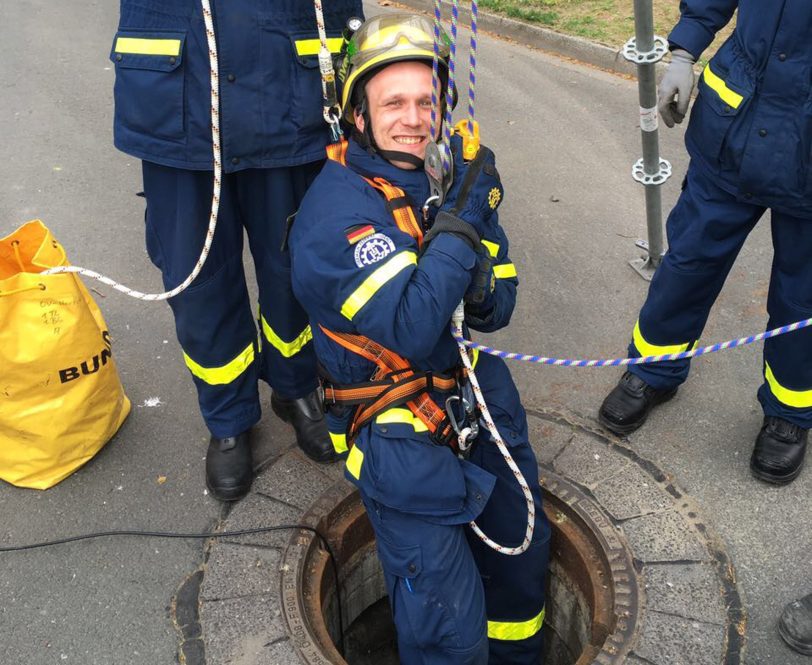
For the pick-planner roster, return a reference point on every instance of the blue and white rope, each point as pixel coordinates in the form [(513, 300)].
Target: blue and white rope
[(618, 362)]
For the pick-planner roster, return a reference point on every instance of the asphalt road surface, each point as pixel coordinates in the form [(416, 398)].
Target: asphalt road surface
[(565, 136)]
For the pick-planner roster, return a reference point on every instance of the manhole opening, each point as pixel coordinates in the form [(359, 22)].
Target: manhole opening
[(580, 600)]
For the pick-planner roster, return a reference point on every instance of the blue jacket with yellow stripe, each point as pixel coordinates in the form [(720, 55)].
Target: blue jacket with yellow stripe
[(270, 86), (355, 271), (751, 125)]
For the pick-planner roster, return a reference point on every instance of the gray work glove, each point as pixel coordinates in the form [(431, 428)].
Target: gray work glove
[(674, 93)]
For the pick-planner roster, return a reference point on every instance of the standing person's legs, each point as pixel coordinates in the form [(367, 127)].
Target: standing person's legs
[(267, 198), (212, 316), (786, 394), (706, 230)]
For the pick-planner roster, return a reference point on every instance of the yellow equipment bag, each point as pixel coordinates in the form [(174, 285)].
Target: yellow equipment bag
[(60, 396)]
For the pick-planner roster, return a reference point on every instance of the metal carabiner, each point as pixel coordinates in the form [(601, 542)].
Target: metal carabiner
[(465, 432)]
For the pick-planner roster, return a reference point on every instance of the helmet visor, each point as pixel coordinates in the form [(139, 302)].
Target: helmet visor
[(394, 36)]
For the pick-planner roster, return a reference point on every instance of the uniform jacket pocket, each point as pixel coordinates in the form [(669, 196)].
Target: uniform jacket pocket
[(725, 86), (149, 88)]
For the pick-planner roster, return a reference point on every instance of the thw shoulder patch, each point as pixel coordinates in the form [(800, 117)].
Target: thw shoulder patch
[(373, 249)]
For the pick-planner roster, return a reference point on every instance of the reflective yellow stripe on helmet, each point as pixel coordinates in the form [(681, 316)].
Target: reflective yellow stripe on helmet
[(504, 271), (369, 287), (141, 46), (404, 416), (216, 376), (287, 349), (515, 630), (339, 442), (800, 399), (355, 461), (645, 348), (720, 88), (313, 46)]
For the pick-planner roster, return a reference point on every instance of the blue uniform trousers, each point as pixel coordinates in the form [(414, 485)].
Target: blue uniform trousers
[(455, 601), (706, 229), (214, 319)]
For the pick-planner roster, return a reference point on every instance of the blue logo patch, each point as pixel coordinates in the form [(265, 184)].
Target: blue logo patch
[(373, 249)]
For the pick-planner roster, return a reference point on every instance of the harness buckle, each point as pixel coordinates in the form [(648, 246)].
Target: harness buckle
[(322, 395)]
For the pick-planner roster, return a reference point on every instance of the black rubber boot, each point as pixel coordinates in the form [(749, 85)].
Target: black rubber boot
[(307, 417), (779, 451), (229, 467), (795, 625), (627, 406)]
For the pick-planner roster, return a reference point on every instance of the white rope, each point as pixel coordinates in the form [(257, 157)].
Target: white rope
[(456, 325), (215, 199)]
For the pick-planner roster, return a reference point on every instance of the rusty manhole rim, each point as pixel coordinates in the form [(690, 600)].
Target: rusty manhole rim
[(585, 529)]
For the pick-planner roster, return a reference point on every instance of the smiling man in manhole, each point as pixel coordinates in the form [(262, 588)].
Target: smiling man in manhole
[(403, 406)]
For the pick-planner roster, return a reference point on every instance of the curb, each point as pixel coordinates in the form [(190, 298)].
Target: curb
[(526, 34)]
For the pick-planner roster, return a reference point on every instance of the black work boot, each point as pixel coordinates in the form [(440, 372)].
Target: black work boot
[(779, 451), (229, 467), (629, 403), (795, 625), (307, 417)]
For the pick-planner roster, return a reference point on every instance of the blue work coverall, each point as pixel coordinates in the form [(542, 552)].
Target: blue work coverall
[(750, 142), (447, 589), (273, 139)]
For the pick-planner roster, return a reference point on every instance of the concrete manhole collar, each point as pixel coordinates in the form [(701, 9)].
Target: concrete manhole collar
[(631, 560)]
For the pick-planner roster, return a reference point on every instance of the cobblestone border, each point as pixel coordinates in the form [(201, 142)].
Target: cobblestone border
[(692, 611)]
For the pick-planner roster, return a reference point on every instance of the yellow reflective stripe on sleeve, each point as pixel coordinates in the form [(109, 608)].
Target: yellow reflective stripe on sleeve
[(720, 87), (287, 349), (216, 376), (339, 442), (492, 247), (404, 416), (369, 287), (141, 46), (504, 271), (312, 46), (515, 630), (474, 357), (645, 348), (800, 399), (355, 461)]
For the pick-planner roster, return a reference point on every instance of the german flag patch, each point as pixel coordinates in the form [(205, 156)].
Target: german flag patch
[(356, 233)]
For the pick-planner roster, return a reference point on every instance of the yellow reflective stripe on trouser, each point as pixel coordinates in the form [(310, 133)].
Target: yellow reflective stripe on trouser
[(140, 46), (404, 416), (369, 287), (355, 461), (287, 349), (515, 630), (339, 442), (645, 348), (720, 87), (800, 399), (504, 271), (216, 376), (313, 46)]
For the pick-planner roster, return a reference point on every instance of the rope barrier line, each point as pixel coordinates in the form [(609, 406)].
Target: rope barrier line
[(645, 360), (215, 200)]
